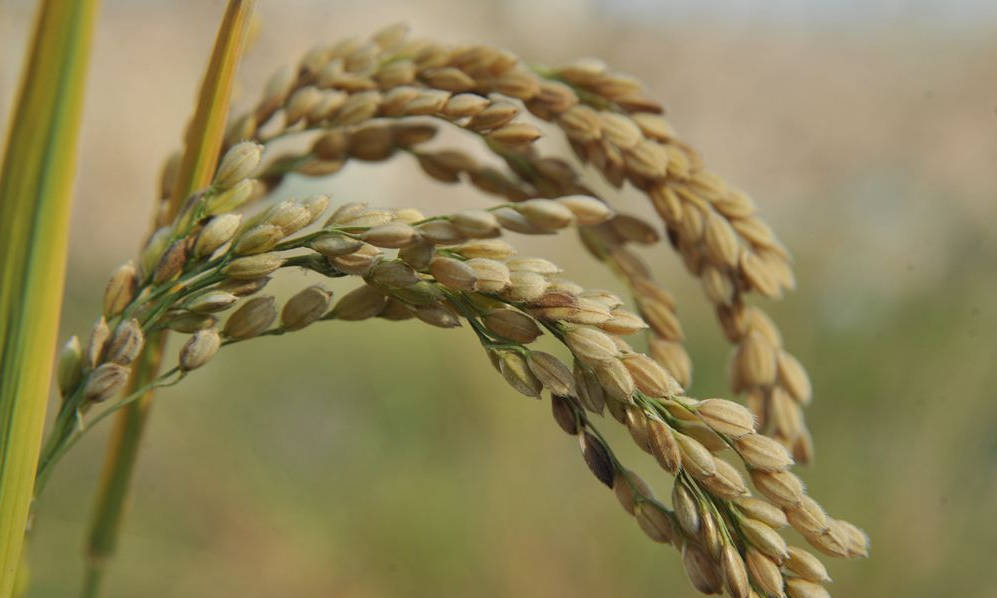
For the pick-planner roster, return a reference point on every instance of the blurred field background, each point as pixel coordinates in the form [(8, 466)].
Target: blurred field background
[(388, 459)]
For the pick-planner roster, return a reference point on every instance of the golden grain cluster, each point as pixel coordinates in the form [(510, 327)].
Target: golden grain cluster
[(372, 99)]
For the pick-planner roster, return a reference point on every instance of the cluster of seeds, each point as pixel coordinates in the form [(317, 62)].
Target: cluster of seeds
[(727, 537), (209, 257), (717, 519), (368, 100), (348, 89)]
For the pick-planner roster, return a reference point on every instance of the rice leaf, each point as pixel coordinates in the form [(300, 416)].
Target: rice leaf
[(35, 185)]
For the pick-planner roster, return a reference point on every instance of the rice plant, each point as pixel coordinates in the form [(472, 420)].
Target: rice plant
[(219, 237)]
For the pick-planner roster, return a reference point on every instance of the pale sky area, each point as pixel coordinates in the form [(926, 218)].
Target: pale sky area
[(972, 13)]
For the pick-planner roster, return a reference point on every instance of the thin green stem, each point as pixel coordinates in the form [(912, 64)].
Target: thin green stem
[(92, 581), (118, 470), (69, 430)]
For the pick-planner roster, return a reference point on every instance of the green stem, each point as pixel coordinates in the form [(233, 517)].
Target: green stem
[(118, 469), (68, 431), (93, 578)]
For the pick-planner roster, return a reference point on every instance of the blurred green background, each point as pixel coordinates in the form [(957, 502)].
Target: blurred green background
[(388, 459)]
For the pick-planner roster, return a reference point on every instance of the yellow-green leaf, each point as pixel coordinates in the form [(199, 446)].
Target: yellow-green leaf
[(207, 130), (35, 185)]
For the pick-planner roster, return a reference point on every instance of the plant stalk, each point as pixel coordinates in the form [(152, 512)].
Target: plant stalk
[(35, 199), (203, 144), (129, 424)]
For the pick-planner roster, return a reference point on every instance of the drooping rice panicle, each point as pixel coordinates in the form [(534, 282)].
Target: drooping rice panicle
[(203, 272)]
